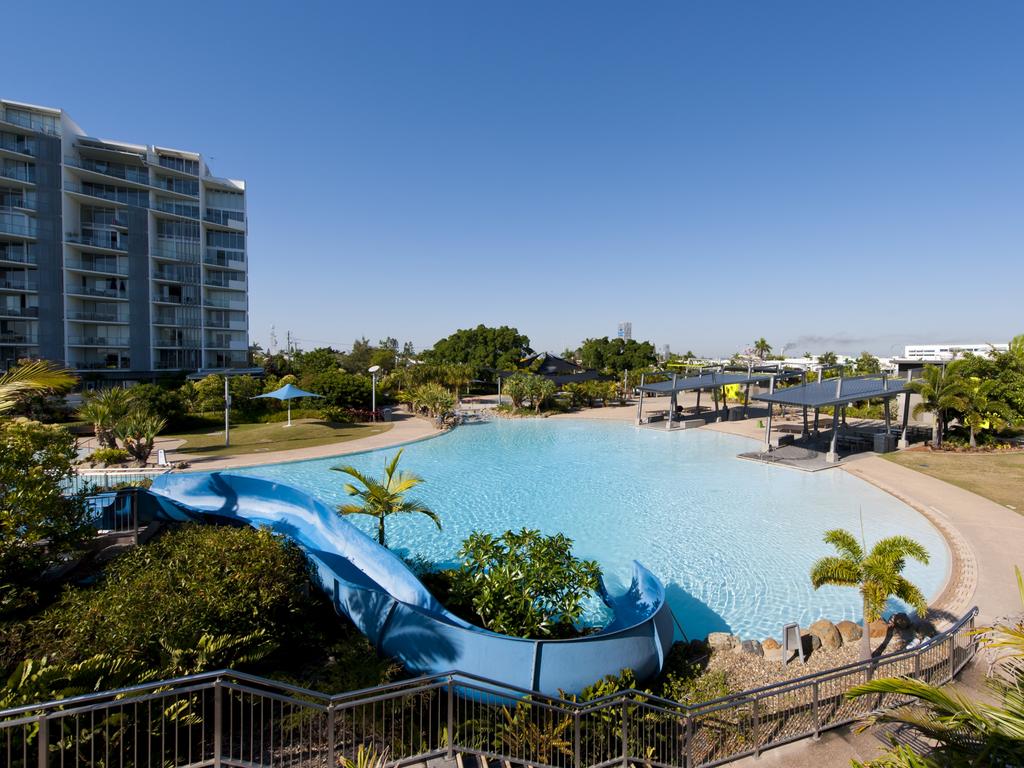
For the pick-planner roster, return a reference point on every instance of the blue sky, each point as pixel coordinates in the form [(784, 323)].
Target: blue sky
[(841, 175)]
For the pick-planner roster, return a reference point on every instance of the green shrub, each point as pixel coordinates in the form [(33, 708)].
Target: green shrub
[(524, 583), (161, 599), (109, 456), (36, 463), (694, 685), (339, 389)]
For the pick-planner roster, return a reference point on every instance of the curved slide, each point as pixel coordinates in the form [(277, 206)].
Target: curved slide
[(382, 597)]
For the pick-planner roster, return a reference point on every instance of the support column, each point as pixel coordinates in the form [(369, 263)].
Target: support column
[(746, 400), (697, 411), (804, 382), (832, 456), (640, 404), (671, 404), (768, 423), (816, 412), (714, 393), (904, 441)]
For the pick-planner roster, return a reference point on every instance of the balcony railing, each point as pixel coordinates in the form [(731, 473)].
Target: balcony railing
[(19, 311), (186, 301), (224, 282), (18, 256), (96, 317), (98, 341), (176, 275), (103, 194), (10, 226), (101, 365), (92, 290), (228, 325), (26, 121), (220, 258), (93, 266), (98, 239), (18, 338), (27, 201), (225, 218), (11, 144), (18, 285), (178, 209), (19, 174), (191, 167), (114, 170), (175, 343), (224, 303), (177, 250)]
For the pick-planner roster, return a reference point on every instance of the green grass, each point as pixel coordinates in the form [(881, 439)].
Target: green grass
[(263, 438), (996, 476)]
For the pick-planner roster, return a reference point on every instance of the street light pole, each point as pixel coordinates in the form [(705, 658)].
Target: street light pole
[(227, 414), (373, 369)]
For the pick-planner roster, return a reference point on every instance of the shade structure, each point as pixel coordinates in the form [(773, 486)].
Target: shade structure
[(288, 392)]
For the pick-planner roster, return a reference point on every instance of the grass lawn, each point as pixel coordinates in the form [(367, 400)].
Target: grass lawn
[(262, 438), (995, 476)]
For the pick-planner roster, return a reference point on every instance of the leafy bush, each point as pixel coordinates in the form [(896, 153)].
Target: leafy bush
[(157, 602), (158, 399), (432, 399), (524, 583), (109, 456), (339, 389), (35, 464)]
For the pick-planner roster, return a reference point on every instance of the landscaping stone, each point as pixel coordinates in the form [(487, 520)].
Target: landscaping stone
[(770, 644), (901, 621), (810, 642), (878, 628), (827, 633), (721, 641), (850, 630), (751, 647)]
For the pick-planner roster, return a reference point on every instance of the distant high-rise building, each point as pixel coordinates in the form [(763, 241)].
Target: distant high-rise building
[(666, 352), (625, 331), (117, 260)]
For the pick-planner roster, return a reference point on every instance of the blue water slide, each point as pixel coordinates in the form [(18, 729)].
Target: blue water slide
[(384, 599)]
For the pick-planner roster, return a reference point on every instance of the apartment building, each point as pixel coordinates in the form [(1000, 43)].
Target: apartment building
[(120, 260)]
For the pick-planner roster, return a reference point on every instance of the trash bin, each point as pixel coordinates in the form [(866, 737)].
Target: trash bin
[(884, 442), (736, 414), (385, 414)]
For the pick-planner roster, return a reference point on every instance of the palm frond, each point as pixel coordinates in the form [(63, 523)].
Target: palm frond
[(833, 570), (30, 378), (910, 594), (898, 547), (846, 543)]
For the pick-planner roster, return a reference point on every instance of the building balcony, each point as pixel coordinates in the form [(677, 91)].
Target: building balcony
[(11, 339), (118, 363), (180, 210), (223, 302), (159, 343), (177, 250), (27, 312), (219, 257), (26, 176), (92, 290), (93, 193), (95, 316), (219, 281), (12, 284), (179, 164), (98, 341), (26, 121), (183, 301), (21, 201), (231, 220), (234, 345), (226, 325), (9, 225), (179, 187), (106, 241), (18, 255), (176, 274), (103, 268), (23, 148), (124, 173)]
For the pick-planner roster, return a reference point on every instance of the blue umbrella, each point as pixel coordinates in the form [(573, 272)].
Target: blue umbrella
[(288, 392)]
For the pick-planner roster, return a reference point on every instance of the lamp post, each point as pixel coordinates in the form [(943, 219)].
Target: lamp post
[(373, 369), (227, 414)]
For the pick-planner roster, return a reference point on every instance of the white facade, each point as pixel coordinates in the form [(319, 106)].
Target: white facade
[(116, 258), (625, 331), (949, 351)]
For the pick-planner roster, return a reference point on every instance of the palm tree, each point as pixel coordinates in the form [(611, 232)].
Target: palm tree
[(104, 409), (940, 391), (762, 348), (967, 732), (138, 431), (978, 407), (878, 574), (385, 497), (33, 377)]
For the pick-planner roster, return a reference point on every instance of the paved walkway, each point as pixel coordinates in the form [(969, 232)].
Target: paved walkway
[(405, 429)]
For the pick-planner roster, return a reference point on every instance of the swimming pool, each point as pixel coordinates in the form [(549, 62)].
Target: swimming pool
[(732, 540)]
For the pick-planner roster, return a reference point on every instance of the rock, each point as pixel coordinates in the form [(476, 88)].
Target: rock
[(878, 628), (751, 647), (721, 641), (772, 654), (827, 633), (771, 644), (901, 621), (810, 642), (850, 631)]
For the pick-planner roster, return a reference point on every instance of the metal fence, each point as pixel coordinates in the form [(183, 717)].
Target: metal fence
[(234, 719), (90, 480)]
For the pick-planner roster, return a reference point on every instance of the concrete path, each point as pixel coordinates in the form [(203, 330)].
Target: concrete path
[(404, 429)]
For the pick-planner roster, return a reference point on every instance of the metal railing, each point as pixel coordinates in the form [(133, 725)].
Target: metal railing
[(233, 719), (89, 480)]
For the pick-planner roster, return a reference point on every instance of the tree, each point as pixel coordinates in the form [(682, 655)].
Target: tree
[(867, 363), (483, 348), (104, 409), (978, 407), (762, 348), (940, 392), (340, 389), (877, 574), (243, 389), (317, 360), (541, 390), (432, 398), (517, 388), (359, 359), (524, 583), (383, 498), (138, 431), (32, 378), (617, 355), (966, 732), (39, 523), (209, 394), (826, 359)]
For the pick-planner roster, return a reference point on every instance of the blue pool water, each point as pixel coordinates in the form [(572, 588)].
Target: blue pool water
[(732, 540)]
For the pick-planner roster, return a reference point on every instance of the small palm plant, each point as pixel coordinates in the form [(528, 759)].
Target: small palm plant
[(940, 391), (138, 431), (979, 408), (966, 732), (878, 574), (385, 497), (32, 378), (104, 409)]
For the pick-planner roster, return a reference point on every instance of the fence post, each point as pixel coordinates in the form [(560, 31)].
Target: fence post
[(43, 742), (451, 716), (577, 757), (331, 762), (625, 733), (689, 740), (951, 639), (817, 710), (755, 726), (135, 517), (218, 723)]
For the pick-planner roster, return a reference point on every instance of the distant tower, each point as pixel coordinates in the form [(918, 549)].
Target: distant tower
[(625, 331), (666, 353)]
